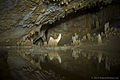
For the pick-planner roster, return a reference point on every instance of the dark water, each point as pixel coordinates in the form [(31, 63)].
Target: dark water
[(55, 64), (83, 64)]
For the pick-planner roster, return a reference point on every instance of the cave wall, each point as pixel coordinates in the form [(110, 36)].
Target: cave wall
[(85, 23)]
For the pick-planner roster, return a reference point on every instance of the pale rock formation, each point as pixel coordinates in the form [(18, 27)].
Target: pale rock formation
[(45, 43), (76, 36), (54, 42), (99, 39), (84, 38), (106, 26), (89, 36), (102, 34), (75, 40)]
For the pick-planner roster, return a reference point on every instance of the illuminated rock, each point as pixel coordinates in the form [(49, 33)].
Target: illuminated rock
[(99, 39), (54, 42)]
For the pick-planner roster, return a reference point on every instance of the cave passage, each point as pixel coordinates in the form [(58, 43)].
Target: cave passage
[(59, 39)]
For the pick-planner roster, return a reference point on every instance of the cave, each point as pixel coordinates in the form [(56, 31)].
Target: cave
[(59, 39)]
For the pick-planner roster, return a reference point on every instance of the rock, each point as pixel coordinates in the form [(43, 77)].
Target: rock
[(25, 38), (89, 36), (32, 40), (106, 26), (39, 43), (99, 39), (115, 30), (97, 24), (79, 51), (76, 36), (54, 42), (36, 1), (114, 34), (79, 41), (28, 42), (102, 34), (45, 44), (94, 34), (106, 35), (118, 34), (75, 40), (84, 38), (92, 39), (111, 29), (27, 53), (110, 34), (108, 29)]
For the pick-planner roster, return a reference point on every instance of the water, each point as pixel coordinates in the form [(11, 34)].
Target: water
[(58, 64), (83, 64)]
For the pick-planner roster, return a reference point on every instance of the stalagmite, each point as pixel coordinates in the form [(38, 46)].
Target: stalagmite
[(45, 43), (106, 26), (75, 39), (99, 39), (88, 36), (54, 42), (84, 38)]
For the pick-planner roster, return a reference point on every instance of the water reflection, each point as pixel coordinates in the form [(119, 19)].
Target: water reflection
[(107, 63), (75, 54), (79, 63), (99, 56), (54, 55), (92, 55)]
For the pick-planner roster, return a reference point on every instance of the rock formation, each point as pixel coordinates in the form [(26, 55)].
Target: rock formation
[(54, 42), (99, 39)]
